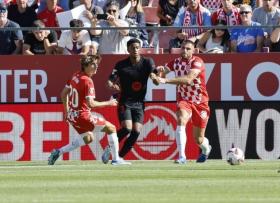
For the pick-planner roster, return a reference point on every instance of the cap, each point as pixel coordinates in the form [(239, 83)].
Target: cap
[(3, 7)]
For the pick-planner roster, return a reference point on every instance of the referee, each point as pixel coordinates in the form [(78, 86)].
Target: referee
[(129, 78)]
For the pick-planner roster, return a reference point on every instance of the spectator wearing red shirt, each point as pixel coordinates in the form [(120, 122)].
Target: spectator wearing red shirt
[(48, 15)]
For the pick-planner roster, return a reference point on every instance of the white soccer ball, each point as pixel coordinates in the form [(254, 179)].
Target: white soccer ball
[(235, 156)]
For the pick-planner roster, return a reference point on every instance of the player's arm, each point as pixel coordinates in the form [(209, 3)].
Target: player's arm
[(112, 81), (64, 99), (186, 79), (97, 104), (161, 71)]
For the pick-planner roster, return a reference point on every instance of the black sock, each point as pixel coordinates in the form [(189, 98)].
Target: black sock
[(122, 133), (130, 141)]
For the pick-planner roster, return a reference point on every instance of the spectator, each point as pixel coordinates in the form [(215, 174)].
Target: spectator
[(211, 5), (136, 17), (64, 4), (276, 3), (48, 15), (22, 14), (39, 41), (193, 15), (228, 13), (111, 41), (75, 41), (168, 10), (267, 14), (247, 39), (252, 3), (275, 39), (91, 9), (10, 40), (215, 40)]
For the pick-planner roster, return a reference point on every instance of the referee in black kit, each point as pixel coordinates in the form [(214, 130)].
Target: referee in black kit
[(130, 78)]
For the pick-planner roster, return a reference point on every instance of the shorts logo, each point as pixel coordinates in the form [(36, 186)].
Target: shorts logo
[(203, 114), (157, 137)]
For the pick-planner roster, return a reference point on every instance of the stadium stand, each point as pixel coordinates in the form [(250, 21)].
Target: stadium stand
[(151, 51)]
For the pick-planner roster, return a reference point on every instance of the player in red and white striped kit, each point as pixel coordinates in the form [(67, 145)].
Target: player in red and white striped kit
[(192, 99), (78, 97)]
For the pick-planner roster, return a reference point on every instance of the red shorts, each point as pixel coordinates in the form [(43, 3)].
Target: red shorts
[(199, 112), (85, 122)]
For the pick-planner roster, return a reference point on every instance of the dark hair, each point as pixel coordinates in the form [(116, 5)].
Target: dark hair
[(76, 23), (87, 60), (3, 6), (226, 35), (132, 41)]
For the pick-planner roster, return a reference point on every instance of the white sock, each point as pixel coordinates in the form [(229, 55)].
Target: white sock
[(77, 142), (114, 144), (181, 140), (205, 147)]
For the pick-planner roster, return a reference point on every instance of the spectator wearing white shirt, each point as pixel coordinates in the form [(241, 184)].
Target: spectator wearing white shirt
[(74, 41)]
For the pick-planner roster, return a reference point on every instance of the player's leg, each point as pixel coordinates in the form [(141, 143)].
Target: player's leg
[(137, 113), (78, 141), (183, 115), (200, 119), (124, 115), (130, 141), (110, 129), (203, 143)]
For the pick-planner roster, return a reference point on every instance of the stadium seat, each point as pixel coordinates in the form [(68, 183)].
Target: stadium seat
[(165, 36), (178, 51), (153, 3), (265, 49), (151, 17), (175, 50), (150, 51)]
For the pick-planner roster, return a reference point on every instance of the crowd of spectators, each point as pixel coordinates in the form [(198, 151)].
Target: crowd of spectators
[(260, 20)]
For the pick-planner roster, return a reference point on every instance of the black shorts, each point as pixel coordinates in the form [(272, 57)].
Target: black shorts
[(131, 111)]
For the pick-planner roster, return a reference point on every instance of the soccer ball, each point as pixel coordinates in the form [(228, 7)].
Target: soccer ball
[(235, 156)]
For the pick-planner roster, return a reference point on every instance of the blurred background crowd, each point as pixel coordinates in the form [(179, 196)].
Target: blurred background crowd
[(258, 30)]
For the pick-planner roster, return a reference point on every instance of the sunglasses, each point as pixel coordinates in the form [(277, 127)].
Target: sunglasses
[(111, 11), (2, 10), (244, 12)]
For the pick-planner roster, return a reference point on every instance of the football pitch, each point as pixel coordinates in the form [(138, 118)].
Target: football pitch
[(144, 181)]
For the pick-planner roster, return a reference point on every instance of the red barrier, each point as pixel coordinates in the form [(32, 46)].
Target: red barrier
[(231, 77)]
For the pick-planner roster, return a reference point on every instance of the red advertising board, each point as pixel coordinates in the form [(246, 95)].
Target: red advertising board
[(230, 77), (29, 132)]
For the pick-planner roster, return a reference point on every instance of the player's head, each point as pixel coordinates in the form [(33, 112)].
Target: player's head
[(89, 64), (187, 48), (133, 47)]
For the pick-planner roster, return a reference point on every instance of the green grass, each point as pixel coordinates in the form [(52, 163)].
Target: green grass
[(144, 181)]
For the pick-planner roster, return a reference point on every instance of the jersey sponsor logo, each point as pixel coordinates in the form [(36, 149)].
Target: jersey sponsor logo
[(157, 136), (136, 86), (203, 114)]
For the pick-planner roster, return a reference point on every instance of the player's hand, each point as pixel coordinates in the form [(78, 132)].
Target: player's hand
[(154, 78), (162, 80), (113, 102), (115, 87)]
